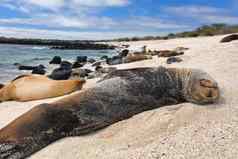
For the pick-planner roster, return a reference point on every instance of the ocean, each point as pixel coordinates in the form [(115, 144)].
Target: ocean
[(35, 55)]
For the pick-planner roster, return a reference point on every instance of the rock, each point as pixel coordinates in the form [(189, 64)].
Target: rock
[(98, 68), (169, 53), (82, 59), (56, 60), (105, 57), (60, 74), (66, 65), (83, 46), (39, 71), (17, 64), (63, 72), (124, 53), (115, 60), (77, 65), (91, 60), (80, 73), (26, 67), (229, 38), (29, 68), (173, 60)]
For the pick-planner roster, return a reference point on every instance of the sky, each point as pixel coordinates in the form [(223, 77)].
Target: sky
[(108, 19)]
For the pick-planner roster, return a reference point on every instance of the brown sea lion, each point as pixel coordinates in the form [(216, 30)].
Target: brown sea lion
[(118, 96), (34, 87), (132, 57), (169, 53)]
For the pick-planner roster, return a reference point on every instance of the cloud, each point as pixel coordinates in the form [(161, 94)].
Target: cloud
[(101, 3), (52, 4), (203, 14), (57, 5), (71, 35), (93, 22)]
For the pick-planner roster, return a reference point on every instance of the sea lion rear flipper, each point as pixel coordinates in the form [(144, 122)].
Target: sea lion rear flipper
[(41, 126)]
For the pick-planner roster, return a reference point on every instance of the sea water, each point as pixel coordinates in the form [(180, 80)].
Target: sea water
[(35, 55)]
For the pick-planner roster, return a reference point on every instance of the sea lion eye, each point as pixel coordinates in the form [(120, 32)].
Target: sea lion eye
[(207, 83)]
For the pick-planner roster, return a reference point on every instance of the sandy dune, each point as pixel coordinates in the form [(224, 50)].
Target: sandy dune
[(182, 131)]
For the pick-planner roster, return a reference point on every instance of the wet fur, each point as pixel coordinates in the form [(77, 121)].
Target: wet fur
[(119, 96)]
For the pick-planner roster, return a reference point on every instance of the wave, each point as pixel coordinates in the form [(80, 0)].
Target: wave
[(39, 47)]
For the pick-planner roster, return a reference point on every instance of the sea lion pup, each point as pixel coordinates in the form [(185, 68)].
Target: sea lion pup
[(120, 95), (34, 87)]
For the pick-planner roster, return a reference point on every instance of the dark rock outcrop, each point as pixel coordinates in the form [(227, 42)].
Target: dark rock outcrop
[(91, 60), (82, 59), (115, 60), (80, 73), (84, 46), (105, 57), (30, 68), (63, 72), (77, 65), (56, 60), (39, 70)]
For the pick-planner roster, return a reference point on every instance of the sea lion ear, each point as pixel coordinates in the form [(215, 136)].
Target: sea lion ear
[(1, 86), (207, 83)]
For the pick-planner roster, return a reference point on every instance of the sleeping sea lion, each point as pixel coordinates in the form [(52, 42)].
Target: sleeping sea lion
[(133, 57), (34, 87), (118, 96)]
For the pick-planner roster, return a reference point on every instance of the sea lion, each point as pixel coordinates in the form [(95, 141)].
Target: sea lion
[(169, 53), (34, 87), (229, 38), (133, 57), (118, 96)]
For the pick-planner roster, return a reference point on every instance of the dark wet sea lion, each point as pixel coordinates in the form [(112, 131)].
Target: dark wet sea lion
[(120, 95), (35, 87), (229, 38)]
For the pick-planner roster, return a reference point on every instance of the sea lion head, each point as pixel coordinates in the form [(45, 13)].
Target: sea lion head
[(202, 88)]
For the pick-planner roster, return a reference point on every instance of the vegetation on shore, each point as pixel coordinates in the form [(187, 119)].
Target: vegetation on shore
[(58, 44), (206, 30)]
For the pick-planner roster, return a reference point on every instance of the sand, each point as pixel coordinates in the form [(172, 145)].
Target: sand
[(181, 131)]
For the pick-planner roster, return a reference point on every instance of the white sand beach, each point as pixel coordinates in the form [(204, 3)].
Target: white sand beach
[(184, 131)]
